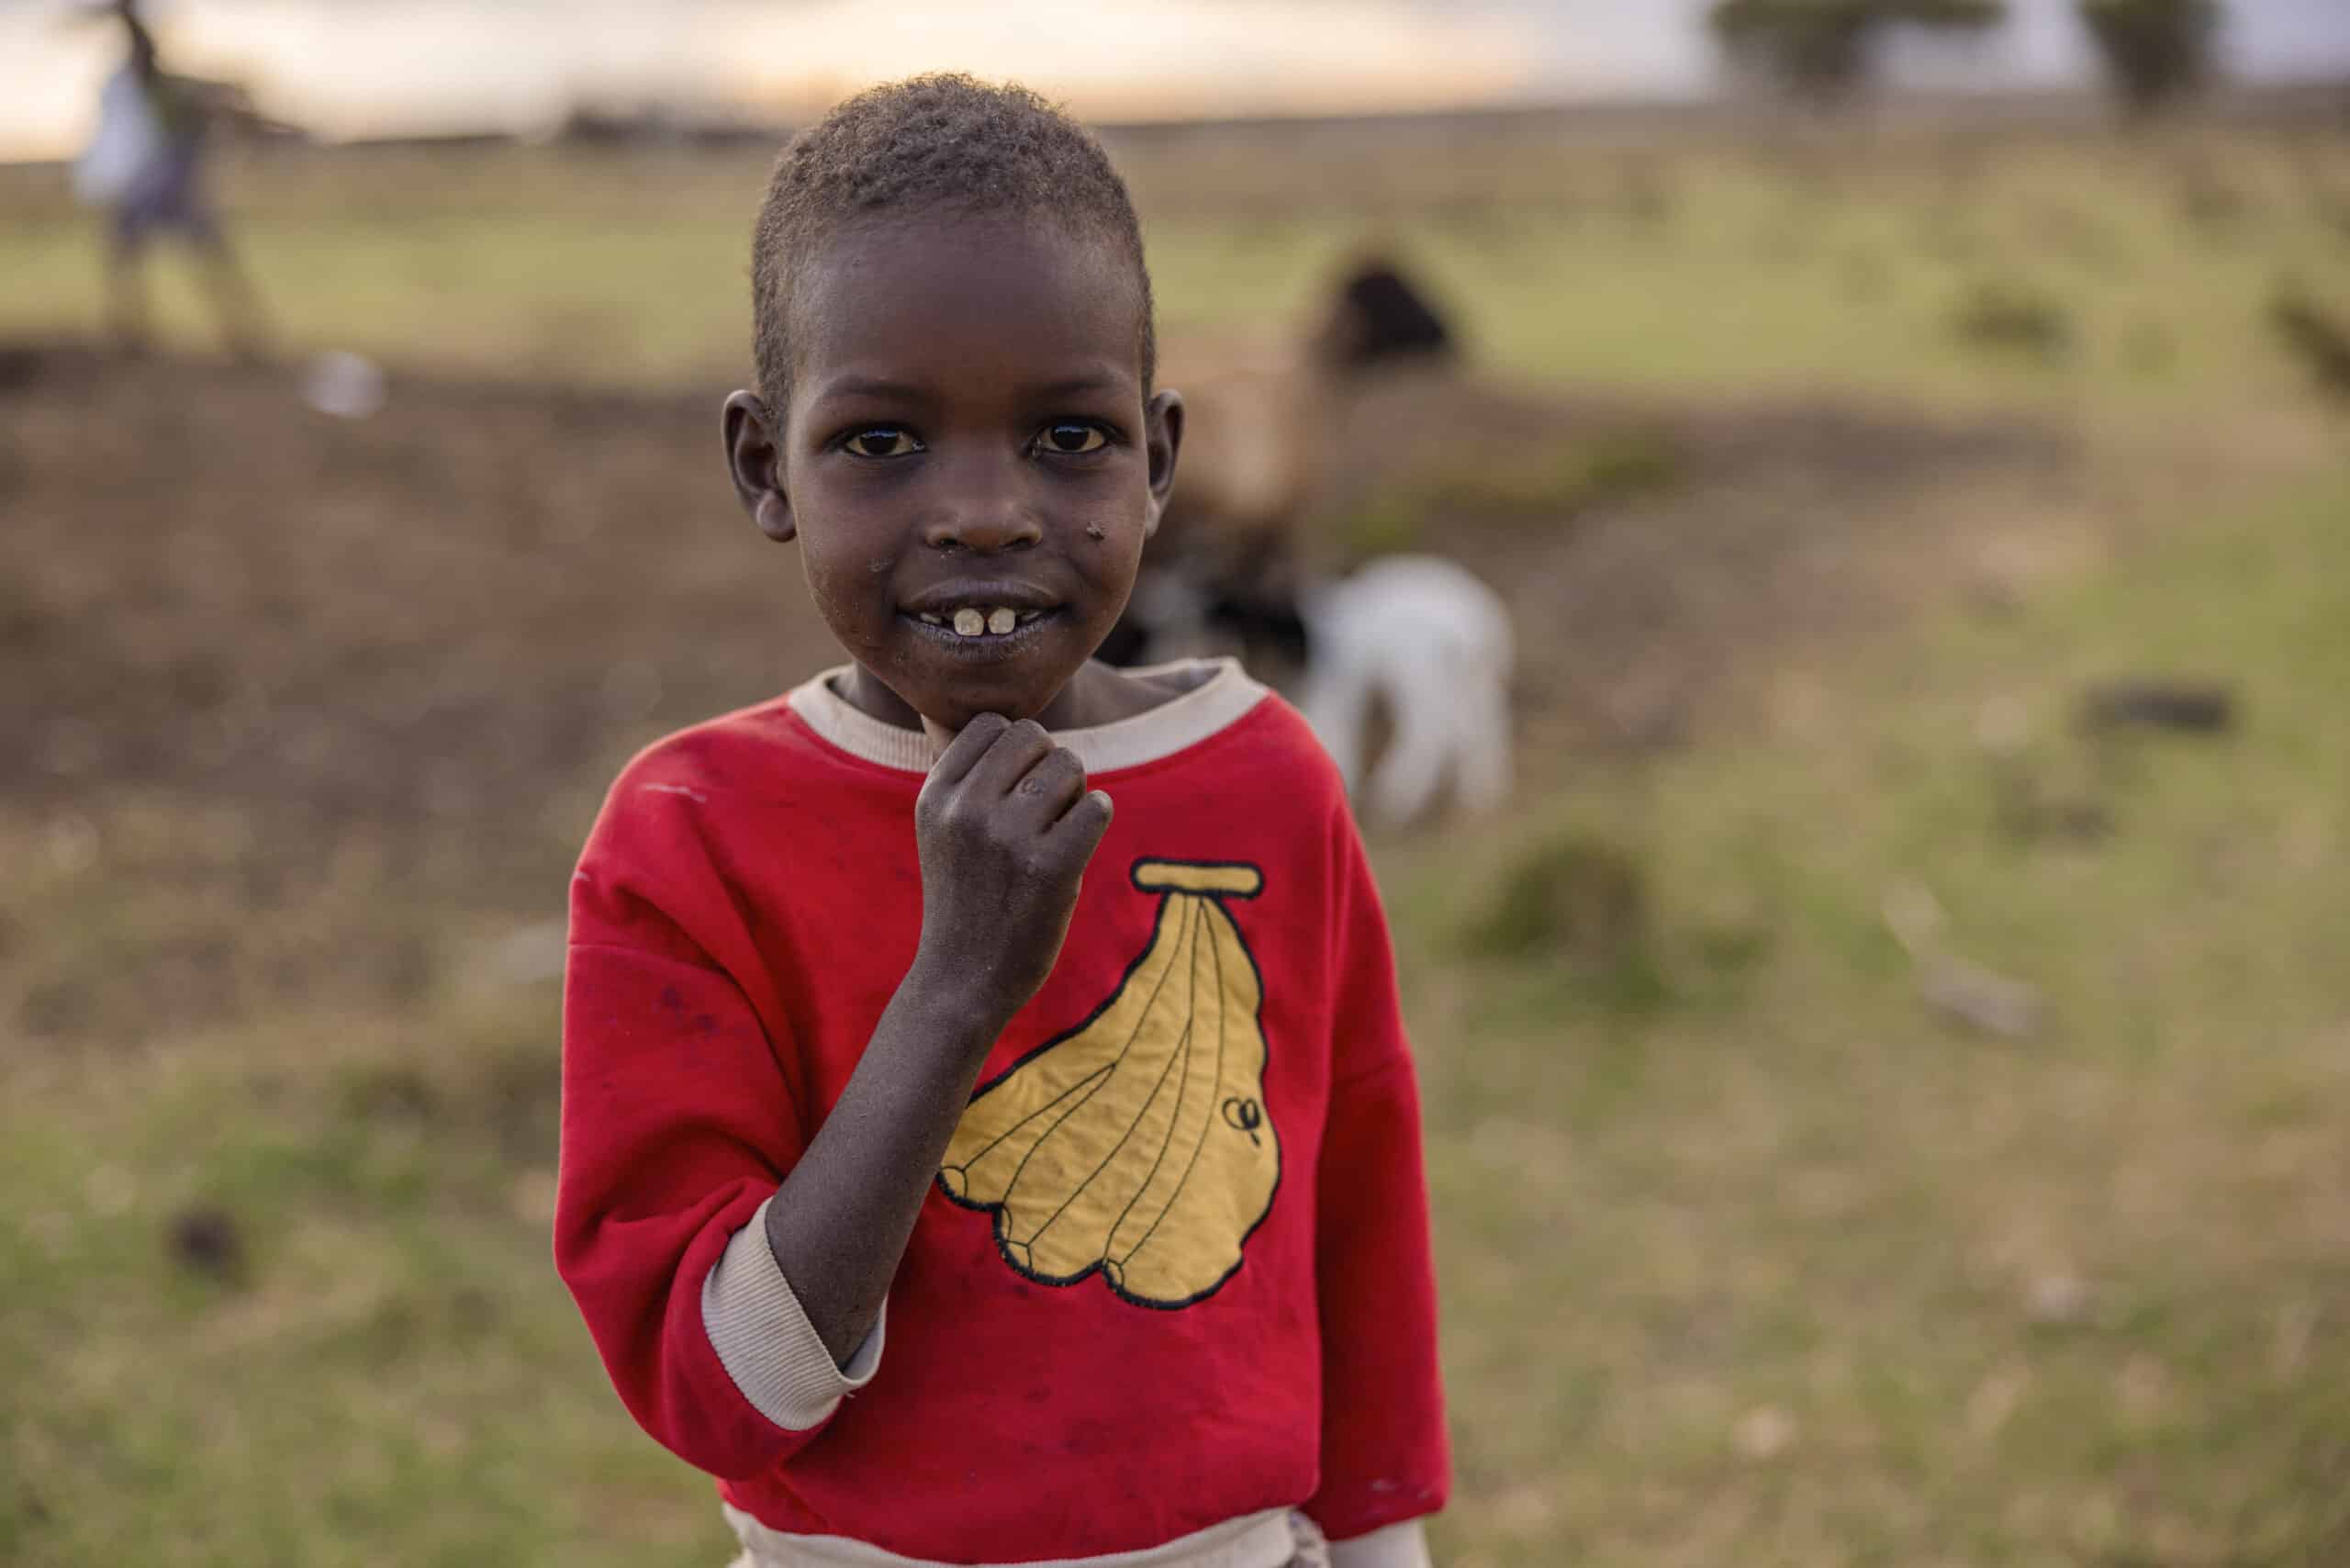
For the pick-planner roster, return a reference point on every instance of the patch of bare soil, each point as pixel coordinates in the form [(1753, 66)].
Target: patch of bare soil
[(254, 653), (1786, 527), (440, 610)]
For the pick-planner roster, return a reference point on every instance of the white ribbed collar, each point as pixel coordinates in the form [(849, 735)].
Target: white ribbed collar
[(1222, 697)]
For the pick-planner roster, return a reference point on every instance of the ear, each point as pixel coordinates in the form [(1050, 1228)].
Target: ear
[(1162, 440), (754, 462)]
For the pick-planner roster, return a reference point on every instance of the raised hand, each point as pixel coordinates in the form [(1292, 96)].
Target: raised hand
[(1005, 827)]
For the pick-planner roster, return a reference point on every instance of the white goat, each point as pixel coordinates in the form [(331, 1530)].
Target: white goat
[(1426, 638)]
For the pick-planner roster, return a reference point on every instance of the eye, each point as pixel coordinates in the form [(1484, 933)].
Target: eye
[(1072, 438), (882, 441)]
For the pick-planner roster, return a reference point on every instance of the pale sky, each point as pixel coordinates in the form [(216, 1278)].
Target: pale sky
[(357, 67)]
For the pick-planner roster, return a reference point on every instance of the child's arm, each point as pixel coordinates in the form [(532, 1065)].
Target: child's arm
[(683, 1118), (1005, 827), (1384, 1455), (143, 61)]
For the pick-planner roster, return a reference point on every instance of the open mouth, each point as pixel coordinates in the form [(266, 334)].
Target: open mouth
[(984, 633), (979, 623), (983, 619)]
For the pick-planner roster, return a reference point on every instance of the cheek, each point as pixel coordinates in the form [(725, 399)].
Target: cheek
[(1112, 528), (1108, 555), (1116, 528), (850, 589)]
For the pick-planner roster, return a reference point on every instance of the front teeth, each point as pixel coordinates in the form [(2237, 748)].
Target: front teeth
[(970, 622)]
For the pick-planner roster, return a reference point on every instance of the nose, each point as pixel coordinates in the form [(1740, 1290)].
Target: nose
[(984, 509)]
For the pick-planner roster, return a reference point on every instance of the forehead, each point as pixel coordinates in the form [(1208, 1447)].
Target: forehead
[(954, 300)]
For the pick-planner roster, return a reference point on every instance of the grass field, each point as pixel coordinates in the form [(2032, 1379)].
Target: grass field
[(1749, 1254), (1774, 265)]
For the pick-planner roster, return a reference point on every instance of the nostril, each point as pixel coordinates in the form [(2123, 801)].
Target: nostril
[(987, 538), (985, 527)]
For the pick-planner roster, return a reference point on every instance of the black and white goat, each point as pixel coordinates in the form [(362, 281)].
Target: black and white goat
[(1417, 640)]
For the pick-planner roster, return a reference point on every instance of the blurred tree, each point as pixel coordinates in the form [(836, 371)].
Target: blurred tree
[(1822, 51), (2154, 50)]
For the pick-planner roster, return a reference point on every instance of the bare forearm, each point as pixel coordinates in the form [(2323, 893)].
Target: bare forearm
[(142, 45), (839, 1225), (1005, 827)]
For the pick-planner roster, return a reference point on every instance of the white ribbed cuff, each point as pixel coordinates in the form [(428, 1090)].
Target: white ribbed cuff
[(1397, 1546), (765, 1342)]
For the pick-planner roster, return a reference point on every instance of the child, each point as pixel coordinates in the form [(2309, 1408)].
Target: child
[(1135, 1161), (145, 166)]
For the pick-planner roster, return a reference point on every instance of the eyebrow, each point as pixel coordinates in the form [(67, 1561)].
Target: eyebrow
[(870, 387), (1077, 386), (850, 385)]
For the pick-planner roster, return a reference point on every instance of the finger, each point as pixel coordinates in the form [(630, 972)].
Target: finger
[(1085, 822), (963, 753), (1015, 751), (1047, 791)]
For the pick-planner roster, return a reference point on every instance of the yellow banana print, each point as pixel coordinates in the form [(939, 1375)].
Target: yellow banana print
[(1137, 1143)]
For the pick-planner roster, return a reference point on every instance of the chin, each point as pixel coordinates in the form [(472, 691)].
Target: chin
[(956, 708), (955, 702), (953, 689)]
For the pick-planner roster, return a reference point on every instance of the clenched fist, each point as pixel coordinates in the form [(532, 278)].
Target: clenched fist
[(1005, 827)]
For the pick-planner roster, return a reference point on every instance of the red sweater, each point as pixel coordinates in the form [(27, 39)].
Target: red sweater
[(1175, 1269)]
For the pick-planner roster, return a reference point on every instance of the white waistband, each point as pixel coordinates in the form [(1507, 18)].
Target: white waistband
[(1259, 1540)]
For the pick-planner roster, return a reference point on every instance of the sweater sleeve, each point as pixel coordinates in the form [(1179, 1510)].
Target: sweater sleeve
[(679, 1125), (1384, 1455), (676, 1130)]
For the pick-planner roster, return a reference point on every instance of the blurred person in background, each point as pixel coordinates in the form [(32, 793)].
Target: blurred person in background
[(145, 167)]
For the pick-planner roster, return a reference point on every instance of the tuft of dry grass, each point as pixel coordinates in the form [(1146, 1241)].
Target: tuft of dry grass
[(2007, 317)]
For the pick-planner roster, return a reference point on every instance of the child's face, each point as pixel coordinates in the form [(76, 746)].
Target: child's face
[(967, 459)]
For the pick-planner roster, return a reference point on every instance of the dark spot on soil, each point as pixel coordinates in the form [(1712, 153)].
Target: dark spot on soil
[(206, 1240), (2193, 707), (2317, 336), (58, 1008), (2003, 315)]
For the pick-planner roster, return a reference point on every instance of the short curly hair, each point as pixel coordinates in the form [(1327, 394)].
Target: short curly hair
[(944, 141)]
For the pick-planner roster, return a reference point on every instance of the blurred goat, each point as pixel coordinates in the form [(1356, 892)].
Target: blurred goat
[(1416, 639), (1426, 640), (1257, 437)]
